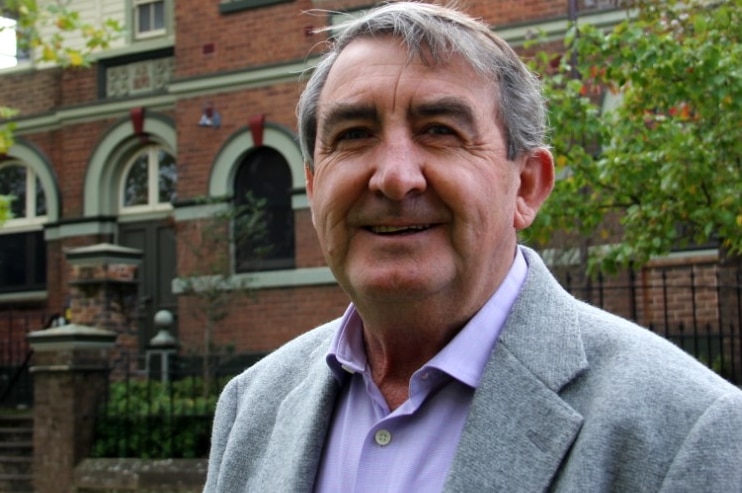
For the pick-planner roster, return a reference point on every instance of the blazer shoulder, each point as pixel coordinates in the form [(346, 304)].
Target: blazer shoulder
[(287, 366)]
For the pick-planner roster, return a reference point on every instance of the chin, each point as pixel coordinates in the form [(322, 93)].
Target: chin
[(394, 288)]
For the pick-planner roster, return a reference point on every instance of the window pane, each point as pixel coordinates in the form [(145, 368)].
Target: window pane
[(143, 14), (159, 15), (168, 176), (40, 199), (13, 182), (135, 186), (265, 176), (12, 264), (22, 262)]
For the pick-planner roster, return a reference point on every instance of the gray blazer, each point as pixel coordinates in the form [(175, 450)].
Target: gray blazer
[(573, 400)]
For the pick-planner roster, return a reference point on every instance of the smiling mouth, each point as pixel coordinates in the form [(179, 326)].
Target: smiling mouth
[(398, 230)]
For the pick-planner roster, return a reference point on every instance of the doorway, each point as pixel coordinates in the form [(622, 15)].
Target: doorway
[(156, 240)]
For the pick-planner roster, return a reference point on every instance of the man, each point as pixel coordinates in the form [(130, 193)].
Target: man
[(461, 365)]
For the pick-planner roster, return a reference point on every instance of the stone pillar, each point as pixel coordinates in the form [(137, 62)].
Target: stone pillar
[(104, 288), (72, 363), (70, 374)]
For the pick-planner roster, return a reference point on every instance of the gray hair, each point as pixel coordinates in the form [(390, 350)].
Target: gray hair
[(433, 34)]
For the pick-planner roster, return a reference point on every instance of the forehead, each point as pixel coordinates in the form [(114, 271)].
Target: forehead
[(382, 71)]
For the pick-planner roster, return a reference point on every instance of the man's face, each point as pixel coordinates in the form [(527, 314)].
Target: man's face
[(412, 195)]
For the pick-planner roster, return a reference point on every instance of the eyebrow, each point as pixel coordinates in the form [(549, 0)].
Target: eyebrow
[(451, 107), (340, 113)]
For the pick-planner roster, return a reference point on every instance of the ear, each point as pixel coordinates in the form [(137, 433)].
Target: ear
[(536, 182), (309, 183)]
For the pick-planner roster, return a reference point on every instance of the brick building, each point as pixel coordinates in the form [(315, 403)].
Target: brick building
[(193, 107)]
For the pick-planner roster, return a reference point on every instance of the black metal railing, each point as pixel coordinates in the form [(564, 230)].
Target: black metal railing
[(697, 307), (16, 384), (165, 417)]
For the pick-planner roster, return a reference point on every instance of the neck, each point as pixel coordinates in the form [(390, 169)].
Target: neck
[(399, 346)]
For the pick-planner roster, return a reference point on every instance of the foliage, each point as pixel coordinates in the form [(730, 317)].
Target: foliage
[(153, 420), (662, 169), (36, 19), (5, 213), (6, 129)]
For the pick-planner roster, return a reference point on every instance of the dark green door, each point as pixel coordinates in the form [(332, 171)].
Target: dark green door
[(156, 240)]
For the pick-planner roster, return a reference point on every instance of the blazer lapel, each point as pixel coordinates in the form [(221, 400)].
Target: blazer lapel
[(519, 429), (299, 432)]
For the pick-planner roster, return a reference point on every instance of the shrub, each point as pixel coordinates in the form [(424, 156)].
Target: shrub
[(149, 419)]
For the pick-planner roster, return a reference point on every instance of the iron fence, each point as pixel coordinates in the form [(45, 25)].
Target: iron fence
[(16, 385), (156, 415), (696, 306)]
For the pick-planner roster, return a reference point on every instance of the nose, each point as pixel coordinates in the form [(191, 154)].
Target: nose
[(398, 170)]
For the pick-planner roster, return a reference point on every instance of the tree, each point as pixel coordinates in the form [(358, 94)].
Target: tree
[(662, 169), (207, 280)]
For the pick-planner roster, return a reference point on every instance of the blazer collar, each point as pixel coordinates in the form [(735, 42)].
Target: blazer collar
[(302, 423), (519, 429)]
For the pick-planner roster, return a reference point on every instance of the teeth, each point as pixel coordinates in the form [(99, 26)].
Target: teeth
[(397, 229)]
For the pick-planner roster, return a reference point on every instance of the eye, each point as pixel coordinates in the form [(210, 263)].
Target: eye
[(438, 129), (353, 134)]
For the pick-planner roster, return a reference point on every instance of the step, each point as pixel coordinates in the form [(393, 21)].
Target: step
[(15, 477), (16, 469), (16, 421), (16, 483), (16, 445), (16, 451), (4, 459), (16, 435)]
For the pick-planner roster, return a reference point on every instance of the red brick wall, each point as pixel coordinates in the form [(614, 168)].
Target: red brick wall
[(266, 320), (76, 143), (308, 253), (80, 86), (31, 92), (690, 297), (212, 42), (198, 146), (504, 12)]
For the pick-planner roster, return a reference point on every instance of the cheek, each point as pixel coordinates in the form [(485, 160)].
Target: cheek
[(332, 201), (482, 204)]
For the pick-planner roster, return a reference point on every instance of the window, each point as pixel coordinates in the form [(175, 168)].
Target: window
[(149, 18), (148, 181), (22, 262), (28, 204), (265, 176), (22, 246)]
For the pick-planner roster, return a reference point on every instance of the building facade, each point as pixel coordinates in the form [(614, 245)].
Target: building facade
[(191, 111)]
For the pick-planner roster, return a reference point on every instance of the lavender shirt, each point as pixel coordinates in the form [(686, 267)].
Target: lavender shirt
[(369, 448)]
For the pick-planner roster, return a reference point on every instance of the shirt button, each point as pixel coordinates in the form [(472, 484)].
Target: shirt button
[(383, 437)]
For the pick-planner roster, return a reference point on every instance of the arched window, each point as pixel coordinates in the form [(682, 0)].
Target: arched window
[(29, 201), (22, 246), (264, 177), (148, 181)]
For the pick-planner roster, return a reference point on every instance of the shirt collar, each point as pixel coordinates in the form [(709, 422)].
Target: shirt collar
[(464, 358)]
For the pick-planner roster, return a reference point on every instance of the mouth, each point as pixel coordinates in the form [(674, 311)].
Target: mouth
[(399, 230)]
